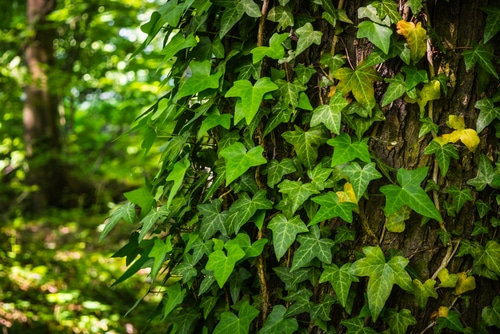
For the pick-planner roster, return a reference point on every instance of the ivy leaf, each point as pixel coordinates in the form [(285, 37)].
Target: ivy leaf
[(307, 37), (378, 34), (221, 264), (281, 15), (306, 143), (290, 279), (177, 43), (276, 170), (212, 121), (449, 319), (491, 314), (357, 326), (301, 302), (396, 89), (359, 177), (340, 279), (311, 246), (322, 310), (330, 115), (177, 176), (447, 280), (359, 82), (284, 232), (427, 126), (465, 283), (238, 160), (346, 151), (395, 222), (387, 8), (482, 55), (460, 196), (443, 153), (382, 276), (152, 218), (125, 212), (175, 297), (232, 15), (244, 208), (289, 92), (213, 220), (319, 176), (424, 291), (415, 6), (331, 207), (429, 92), (486, 175), (488, 113), (297, 192), (414, 76), (410, 193), (250, 97), (416, 36), (250, 8), (490, 257), (158, 253), (399, 321), (492, 23), (277, 323), (275, 50), (199, 80), (230, 323), (371, 13), (468, 137)]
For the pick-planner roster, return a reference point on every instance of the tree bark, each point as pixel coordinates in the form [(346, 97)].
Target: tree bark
[(40, 113)]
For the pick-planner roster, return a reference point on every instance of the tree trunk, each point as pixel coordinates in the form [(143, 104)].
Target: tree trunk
[(40, 114)]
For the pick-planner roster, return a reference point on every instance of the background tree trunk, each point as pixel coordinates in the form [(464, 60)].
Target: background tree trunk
[(40, 114)]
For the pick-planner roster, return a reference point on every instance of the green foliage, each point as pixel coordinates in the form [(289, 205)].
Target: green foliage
[(257, 225)]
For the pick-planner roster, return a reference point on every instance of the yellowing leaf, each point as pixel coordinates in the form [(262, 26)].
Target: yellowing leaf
[(415, 36), (443, 312), (468, 137), (360, 82), (465, 283), (347, 195), (447, 280)]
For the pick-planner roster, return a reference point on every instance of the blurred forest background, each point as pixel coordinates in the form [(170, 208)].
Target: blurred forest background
[(69, 92)]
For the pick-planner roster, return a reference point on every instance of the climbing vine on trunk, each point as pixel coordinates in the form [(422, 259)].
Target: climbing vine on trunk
[(314, 168)]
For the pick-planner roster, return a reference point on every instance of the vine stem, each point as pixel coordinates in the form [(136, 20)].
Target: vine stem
[(450, 252), (262, 277), (335, 37), (260, 34)]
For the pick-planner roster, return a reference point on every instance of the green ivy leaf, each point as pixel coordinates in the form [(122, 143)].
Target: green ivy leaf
[(382, 276), (427, 126), (323, 309), (284, 232), (490, 257), (311, 246), (289, 92), (238, 160), (301, 302), (319, 176), (359, 82), (359, 177), (177, 43), (244, 208), (277, 323), (281, 15), (491, 314), (199, 80), (186, 268), (330, 207), (290, 279), (230, 323), (297, 193), (378, 34), (492, 22), (250, 97), (371, 13), (152, 218), (125, 212), (177, 176), (482, 55), (443, 153), (357, 326), (387, 8), (213, 220), (330, 115), (488, 113), (396, 89), (221, 264), (306, 143), (451, 321), (399, 321), (486, 175), (395, 222), (158, 253), (415, 6), (460, 196), (275, 50), (340, 279), (232, 15), (175, 296), (410, 193), (276, 170), (307, 37), (423, 291), (346, 151), (212, 121), (414, 76)]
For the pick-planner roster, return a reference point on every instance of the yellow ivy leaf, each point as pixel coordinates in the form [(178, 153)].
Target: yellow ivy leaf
[(465, 283), (443, 312), (415, 36), (347, 195), (447, 280), (468, 137), (430, 91)]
